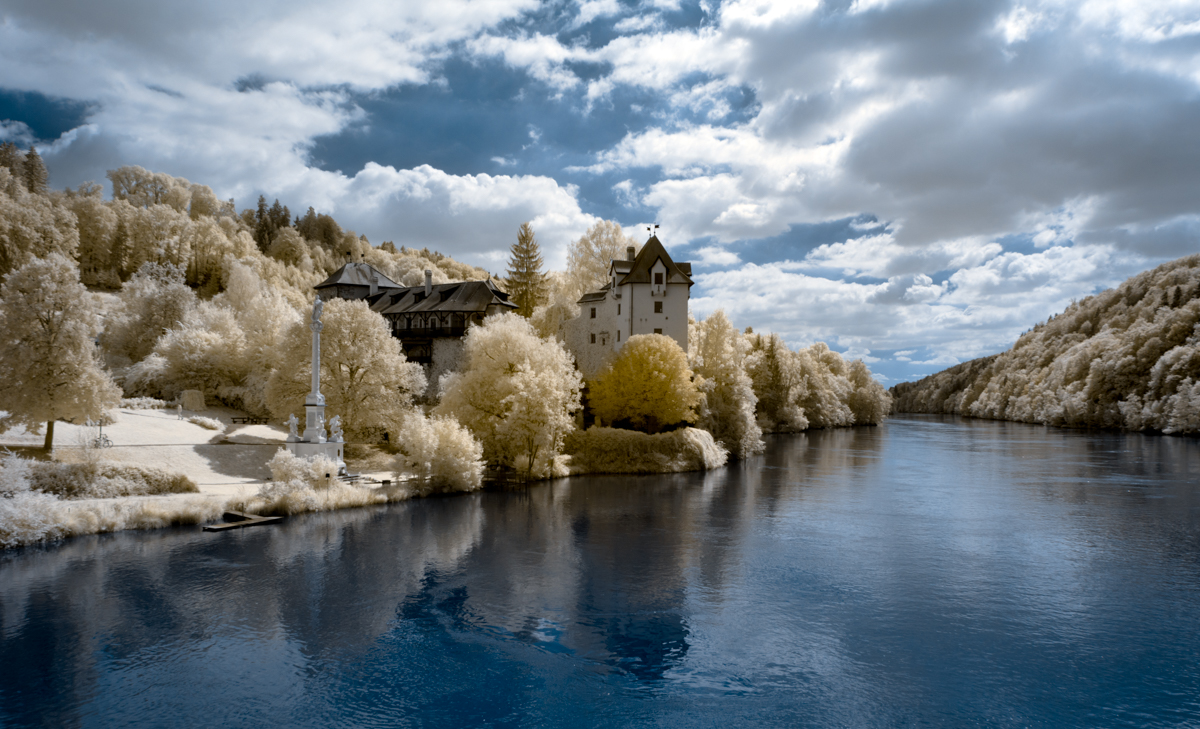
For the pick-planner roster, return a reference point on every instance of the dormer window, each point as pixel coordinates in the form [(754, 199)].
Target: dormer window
[(658, 279)]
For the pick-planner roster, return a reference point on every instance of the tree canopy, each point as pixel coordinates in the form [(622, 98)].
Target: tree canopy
[(589, 257), (718, 359), (516, 392), (364, 375), (49, 369), (647, 385)]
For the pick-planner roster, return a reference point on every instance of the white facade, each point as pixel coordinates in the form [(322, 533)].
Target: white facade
[(646, 295)]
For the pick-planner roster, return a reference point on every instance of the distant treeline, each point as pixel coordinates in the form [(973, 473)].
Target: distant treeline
[(1124, 358)]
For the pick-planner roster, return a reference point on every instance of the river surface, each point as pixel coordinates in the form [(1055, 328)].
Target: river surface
[(934, 571)]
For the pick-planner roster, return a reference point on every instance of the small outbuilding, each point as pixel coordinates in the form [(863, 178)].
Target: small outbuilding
[(355, 281)]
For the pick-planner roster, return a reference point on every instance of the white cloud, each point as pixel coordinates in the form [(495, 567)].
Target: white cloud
[(714, 256), (980, 310), (880, 256), (589, 10), (476, 216), (16, 132)]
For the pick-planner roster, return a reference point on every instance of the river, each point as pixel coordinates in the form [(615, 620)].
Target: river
[(934, 571)]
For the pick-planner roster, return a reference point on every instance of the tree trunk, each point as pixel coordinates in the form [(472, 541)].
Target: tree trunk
[(49, 444)]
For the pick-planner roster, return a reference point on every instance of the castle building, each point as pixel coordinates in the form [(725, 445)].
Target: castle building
[(645, 294)]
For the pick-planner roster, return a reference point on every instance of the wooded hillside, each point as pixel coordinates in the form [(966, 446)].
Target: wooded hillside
[(1125, 358)]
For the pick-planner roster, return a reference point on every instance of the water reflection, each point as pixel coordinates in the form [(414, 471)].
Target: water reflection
[(933, 570)]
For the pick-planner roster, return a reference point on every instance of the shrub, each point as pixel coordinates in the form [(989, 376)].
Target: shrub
[(29, 515), (143, 403), (106, 480), (209, 423), (442, 454), (300, 485), (614, 450)]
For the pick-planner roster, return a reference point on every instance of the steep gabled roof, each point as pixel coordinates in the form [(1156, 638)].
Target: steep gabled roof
[(645, 259), (357, 274), (466, 297)]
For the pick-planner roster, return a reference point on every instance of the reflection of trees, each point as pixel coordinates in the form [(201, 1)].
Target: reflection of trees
[(74, 611), (473, 607)]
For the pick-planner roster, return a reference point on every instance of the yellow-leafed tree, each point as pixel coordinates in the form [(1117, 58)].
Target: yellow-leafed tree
[(648, 385)]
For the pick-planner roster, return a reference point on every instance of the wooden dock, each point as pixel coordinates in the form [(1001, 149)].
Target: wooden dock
[(238, 520)]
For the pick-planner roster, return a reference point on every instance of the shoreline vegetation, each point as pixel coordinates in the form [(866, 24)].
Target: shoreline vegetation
[(1125, 358), (164, 296)]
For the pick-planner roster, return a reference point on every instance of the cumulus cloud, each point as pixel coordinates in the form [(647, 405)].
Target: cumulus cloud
[(1017, 154), (236, 96), (476, 216), (976, 311)]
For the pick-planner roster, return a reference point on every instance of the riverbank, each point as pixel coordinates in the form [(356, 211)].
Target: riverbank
[(228, 466)]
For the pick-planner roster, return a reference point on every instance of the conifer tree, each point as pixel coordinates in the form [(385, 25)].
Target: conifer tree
[(10, 157), (526, 282), (48, 365), (34, 171), (262, 224), (119, 250)]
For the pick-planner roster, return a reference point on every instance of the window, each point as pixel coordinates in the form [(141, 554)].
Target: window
[(618, 309), (658, 331), (657, 307), (593, 312), (618, 338), (593, 339), (658, 279)]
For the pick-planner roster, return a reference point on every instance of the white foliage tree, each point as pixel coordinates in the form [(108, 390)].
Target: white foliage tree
[(717, 354), (32, 225), (154, 300), (48, 365), (516, 392), (814, 387), (365, 376), (589, 257), (442, 454)]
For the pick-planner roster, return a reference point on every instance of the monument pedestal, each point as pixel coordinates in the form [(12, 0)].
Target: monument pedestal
[(333, 451)]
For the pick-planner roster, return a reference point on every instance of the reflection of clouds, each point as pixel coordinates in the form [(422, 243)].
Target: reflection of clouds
[(865, 574), (121, 603)]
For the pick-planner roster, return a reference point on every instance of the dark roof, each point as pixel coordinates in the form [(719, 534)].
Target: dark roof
[(639, 272), (357, 274), (465, 297)]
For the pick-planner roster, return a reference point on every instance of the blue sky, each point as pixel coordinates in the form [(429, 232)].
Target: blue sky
[(915, 183)]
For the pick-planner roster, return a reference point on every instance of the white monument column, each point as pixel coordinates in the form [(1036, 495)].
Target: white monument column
[(314, 442), (314, 404)]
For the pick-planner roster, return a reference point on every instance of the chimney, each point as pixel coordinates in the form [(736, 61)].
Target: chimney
[(428, 282), (629, 253)]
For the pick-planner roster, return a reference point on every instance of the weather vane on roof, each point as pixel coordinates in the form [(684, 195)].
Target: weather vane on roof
[(652, 231)]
